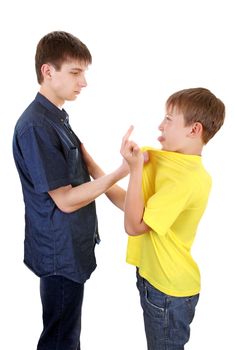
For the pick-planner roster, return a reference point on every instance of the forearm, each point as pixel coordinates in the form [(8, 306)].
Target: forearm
[(115, 194), (134, 202), (134, 205), (69, 198)]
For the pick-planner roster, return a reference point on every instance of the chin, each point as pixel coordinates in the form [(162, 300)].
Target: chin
[(71, 98), (167, 149)]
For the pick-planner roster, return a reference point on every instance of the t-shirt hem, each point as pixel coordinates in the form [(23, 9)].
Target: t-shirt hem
[(167, 291)]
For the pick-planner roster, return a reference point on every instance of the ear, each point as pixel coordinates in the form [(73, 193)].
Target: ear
[(196, 130), (46, 71)]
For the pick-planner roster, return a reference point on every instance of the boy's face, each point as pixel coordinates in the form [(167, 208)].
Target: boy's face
[(67, 83), (175, 135)]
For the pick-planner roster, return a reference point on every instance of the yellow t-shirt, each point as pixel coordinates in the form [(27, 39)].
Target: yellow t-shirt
[(176, 188)]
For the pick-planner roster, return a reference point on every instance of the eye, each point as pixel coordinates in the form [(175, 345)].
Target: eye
[(167, 117)]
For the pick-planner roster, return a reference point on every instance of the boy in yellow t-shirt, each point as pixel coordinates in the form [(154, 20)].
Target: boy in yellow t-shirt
[(165, 200)]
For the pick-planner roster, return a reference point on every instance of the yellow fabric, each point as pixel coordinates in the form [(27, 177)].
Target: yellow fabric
[(176, 188)]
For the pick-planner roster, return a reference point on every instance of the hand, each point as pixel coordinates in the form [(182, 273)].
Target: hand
[(131, 151), (124, 168)]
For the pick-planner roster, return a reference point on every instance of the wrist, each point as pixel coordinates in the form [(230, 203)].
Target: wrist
[(136, 167)]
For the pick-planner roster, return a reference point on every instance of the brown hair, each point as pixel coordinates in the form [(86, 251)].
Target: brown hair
[(199, 105), (58, 47)]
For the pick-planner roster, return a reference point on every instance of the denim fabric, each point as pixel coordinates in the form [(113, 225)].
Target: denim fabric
[(48, 155), (62, 302), (166, 318)]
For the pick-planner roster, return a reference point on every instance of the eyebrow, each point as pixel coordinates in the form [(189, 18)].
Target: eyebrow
[(77, 69), (169, 114)]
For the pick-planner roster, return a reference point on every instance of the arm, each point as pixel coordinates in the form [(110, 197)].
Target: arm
[(116, 194), (69, 199), (134, 202)]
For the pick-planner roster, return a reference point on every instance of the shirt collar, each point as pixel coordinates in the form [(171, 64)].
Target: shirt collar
[(61, 114)]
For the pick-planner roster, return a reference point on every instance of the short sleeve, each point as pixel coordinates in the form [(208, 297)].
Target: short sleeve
[(44, 158), (164, 207)]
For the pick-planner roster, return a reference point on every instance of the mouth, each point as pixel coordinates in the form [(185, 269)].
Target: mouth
[(161, 138)]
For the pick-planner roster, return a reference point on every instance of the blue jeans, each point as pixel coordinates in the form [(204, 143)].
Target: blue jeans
[(166, 318), (61, 302)]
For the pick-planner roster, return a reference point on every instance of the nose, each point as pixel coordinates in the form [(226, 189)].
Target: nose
[(161, 126), (82, 81)]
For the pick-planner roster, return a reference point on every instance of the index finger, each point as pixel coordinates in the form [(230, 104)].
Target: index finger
[(128, 133)]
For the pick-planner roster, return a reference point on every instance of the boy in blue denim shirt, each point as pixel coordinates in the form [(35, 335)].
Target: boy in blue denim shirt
[(60, 216)]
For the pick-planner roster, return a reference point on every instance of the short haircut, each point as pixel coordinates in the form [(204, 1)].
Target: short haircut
[(58, 47), (199, 105)]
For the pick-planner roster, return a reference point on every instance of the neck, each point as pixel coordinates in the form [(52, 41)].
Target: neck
[(195, 149), (49, 94)]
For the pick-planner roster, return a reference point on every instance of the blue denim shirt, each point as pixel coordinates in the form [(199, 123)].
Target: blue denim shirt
[(47, 155)]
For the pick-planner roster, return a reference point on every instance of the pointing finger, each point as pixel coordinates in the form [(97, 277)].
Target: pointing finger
[(128, 133)]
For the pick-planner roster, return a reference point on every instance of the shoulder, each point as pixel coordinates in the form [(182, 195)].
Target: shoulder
[(33, 117)]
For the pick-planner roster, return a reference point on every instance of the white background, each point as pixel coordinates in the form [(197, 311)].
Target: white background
[(143, 51)]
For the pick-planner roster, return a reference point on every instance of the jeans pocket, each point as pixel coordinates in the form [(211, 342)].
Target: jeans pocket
[(154, 302)]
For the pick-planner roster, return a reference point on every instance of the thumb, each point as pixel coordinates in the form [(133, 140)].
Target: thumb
[(146, 157)]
